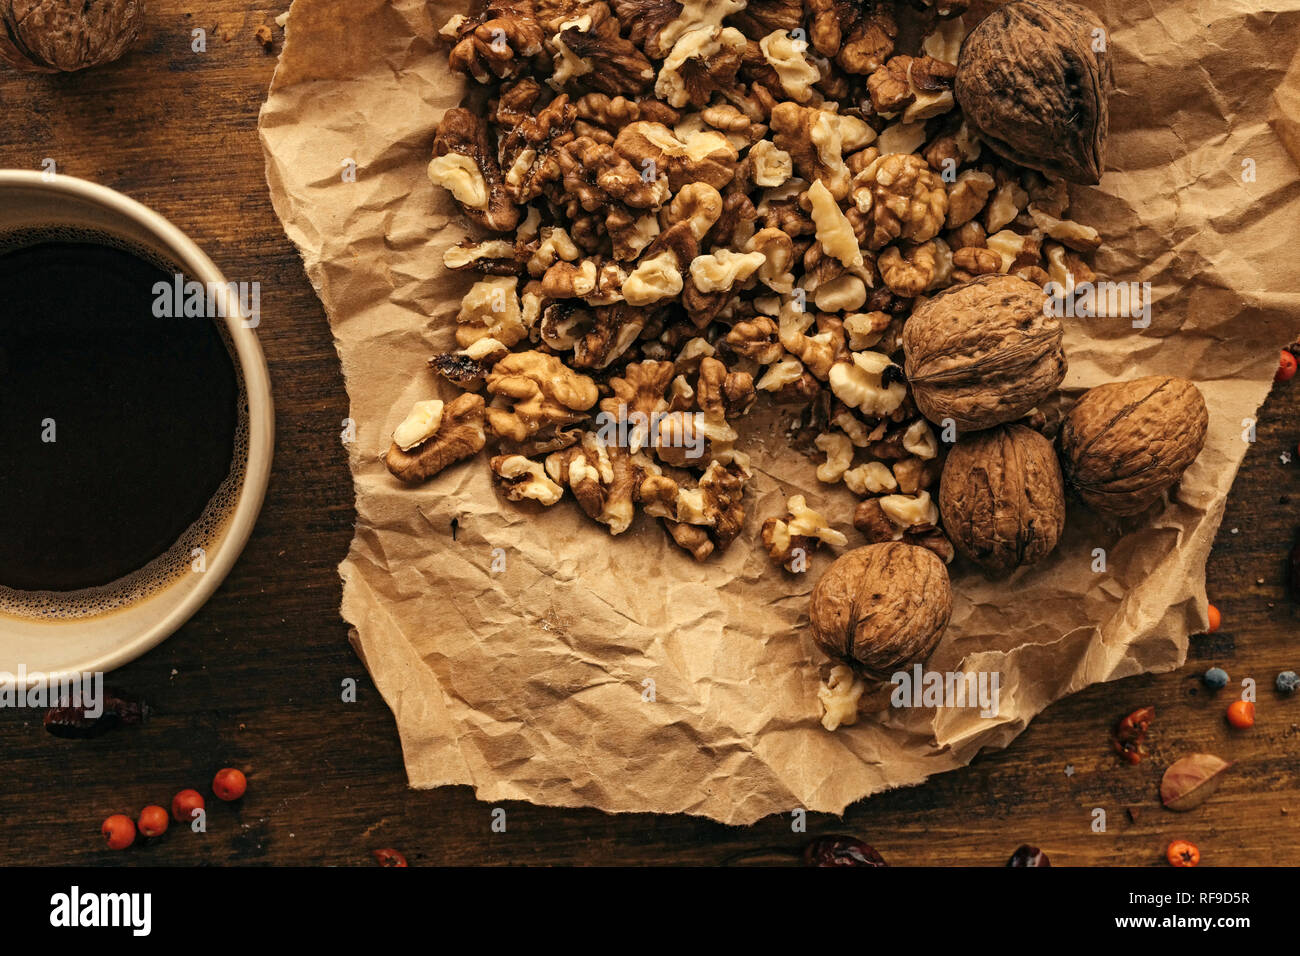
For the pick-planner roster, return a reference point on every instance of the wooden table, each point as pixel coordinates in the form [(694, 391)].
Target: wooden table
[(254, 680)]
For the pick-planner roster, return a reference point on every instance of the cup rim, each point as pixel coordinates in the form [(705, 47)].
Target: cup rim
[(261, 415)]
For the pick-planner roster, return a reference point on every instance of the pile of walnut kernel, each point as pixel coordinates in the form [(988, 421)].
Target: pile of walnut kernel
[(684, 206)]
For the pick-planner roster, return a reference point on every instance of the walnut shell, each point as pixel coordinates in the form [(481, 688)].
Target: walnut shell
[(1124, 444), (1033, 85), (983, 353), (881, 608), (1002, 498), (52, 36)]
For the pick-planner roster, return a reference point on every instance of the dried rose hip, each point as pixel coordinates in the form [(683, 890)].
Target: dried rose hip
[(1130, 734), (1182, 853), (841, 851), (1027, 855), (119, 831), (185, 804), (153, 821), (229, 784), (389, 857), (1286, 367)]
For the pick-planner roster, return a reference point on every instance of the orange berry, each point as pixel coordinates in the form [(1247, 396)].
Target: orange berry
[(229, 784), (119, 831), (152, 821), (1286, 367), (1182, 853), (1241, 714), (184, 804), (1215, 618)]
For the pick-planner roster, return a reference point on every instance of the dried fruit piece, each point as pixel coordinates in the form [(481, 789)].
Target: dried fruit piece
[(841, 851), (1027, 855), (1182, 853), (229, 784), (1287, 682), (119, 831), (118, 711), (1216, 678), (388, 857), (1215, 618), (1286, 367), (1131, 733), (153, 821), (1241, 714), (1124, 444), (185, 804), (1189, 782), (1034, 81)]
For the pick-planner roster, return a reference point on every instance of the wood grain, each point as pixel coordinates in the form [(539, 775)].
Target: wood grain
[(254, 680)]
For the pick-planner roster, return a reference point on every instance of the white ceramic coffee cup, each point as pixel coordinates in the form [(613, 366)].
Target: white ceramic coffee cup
[(45, 645)]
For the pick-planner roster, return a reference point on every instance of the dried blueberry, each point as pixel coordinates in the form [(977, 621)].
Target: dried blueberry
[(1027, 855), (1215, 678), (1286, 682)]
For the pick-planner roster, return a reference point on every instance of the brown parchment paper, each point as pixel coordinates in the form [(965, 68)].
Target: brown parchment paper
[(533, 682)]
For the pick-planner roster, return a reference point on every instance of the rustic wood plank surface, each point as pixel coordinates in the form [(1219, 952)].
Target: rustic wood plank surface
[(254, 679)]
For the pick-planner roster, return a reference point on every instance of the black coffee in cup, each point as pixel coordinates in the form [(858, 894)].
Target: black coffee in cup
[(122, 424)]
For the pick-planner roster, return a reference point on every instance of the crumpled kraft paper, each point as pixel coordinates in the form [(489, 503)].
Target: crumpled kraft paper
[(531, 656)]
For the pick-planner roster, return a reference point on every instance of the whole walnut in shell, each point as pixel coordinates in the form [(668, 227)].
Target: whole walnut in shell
[(1033, 79), (52, 36), (881, 608), (1124, 444), (983, 353), (1002, 498)]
